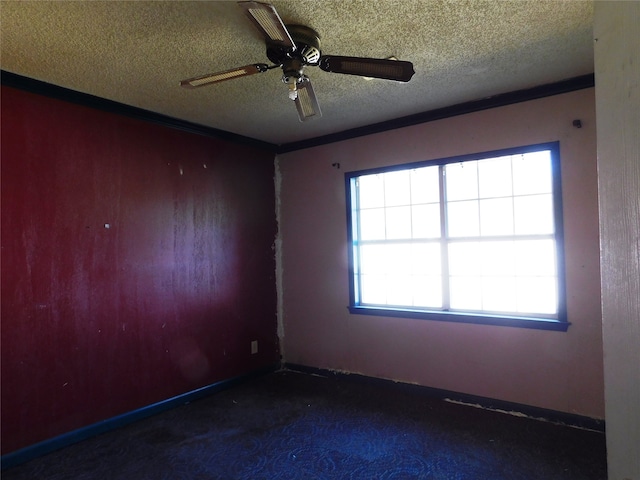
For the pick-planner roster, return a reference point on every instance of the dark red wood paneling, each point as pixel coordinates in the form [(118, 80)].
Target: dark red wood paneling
[(137, 264)]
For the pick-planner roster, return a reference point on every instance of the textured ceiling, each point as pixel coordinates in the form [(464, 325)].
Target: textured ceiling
[(136, 52)]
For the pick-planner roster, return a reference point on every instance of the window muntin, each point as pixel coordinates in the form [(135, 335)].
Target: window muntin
[(475, 238)]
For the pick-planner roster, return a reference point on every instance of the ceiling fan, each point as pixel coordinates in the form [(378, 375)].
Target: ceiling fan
[(294, 47)]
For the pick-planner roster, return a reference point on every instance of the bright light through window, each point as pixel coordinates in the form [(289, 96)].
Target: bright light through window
[(476, 236)]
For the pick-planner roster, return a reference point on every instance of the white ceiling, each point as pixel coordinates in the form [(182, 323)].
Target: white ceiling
[(136, 52)]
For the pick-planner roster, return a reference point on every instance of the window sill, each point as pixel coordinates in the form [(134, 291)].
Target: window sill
[(505, 321)]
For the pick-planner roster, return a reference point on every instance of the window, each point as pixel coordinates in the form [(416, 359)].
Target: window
[(473, 239)]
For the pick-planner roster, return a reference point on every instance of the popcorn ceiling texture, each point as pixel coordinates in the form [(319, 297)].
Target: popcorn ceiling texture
[(137, 52)]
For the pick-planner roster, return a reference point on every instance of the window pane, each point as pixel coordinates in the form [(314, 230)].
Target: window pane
[(425, 220), (464, 259), (427, 291), (535, 257), (463, 219), (400, 290), (532, 173), (496, 216), (396, 259), (372, 224), (374, 289), (465, 293), (397, 188), (426, 259), (497, 259), (461, 180), (373, 259), (533, 214), (498, 294), (398, 222), (494, 177), (537, 295), (425, 185), (399, 258), (371, 191)]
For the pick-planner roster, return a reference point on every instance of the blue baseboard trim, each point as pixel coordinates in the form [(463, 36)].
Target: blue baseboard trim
[(536, 413), (47, 446)]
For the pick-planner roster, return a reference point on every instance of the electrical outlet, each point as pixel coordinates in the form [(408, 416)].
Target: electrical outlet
[(254, 347)]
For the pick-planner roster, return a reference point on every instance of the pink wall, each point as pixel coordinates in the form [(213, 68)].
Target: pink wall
[(100, 321), (556, 370)]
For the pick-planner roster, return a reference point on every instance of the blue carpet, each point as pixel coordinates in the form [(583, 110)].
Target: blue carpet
[(293, 426)]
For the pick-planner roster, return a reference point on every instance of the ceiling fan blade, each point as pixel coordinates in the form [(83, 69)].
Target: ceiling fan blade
[(399, 70), (306, 101), (266, 18), (210, 78)]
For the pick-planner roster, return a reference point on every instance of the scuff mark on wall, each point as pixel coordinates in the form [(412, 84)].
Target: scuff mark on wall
[(277, 178)]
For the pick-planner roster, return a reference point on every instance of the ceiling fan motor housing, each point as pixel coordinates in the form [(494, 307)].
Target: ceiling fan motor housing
[(307, 50)]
